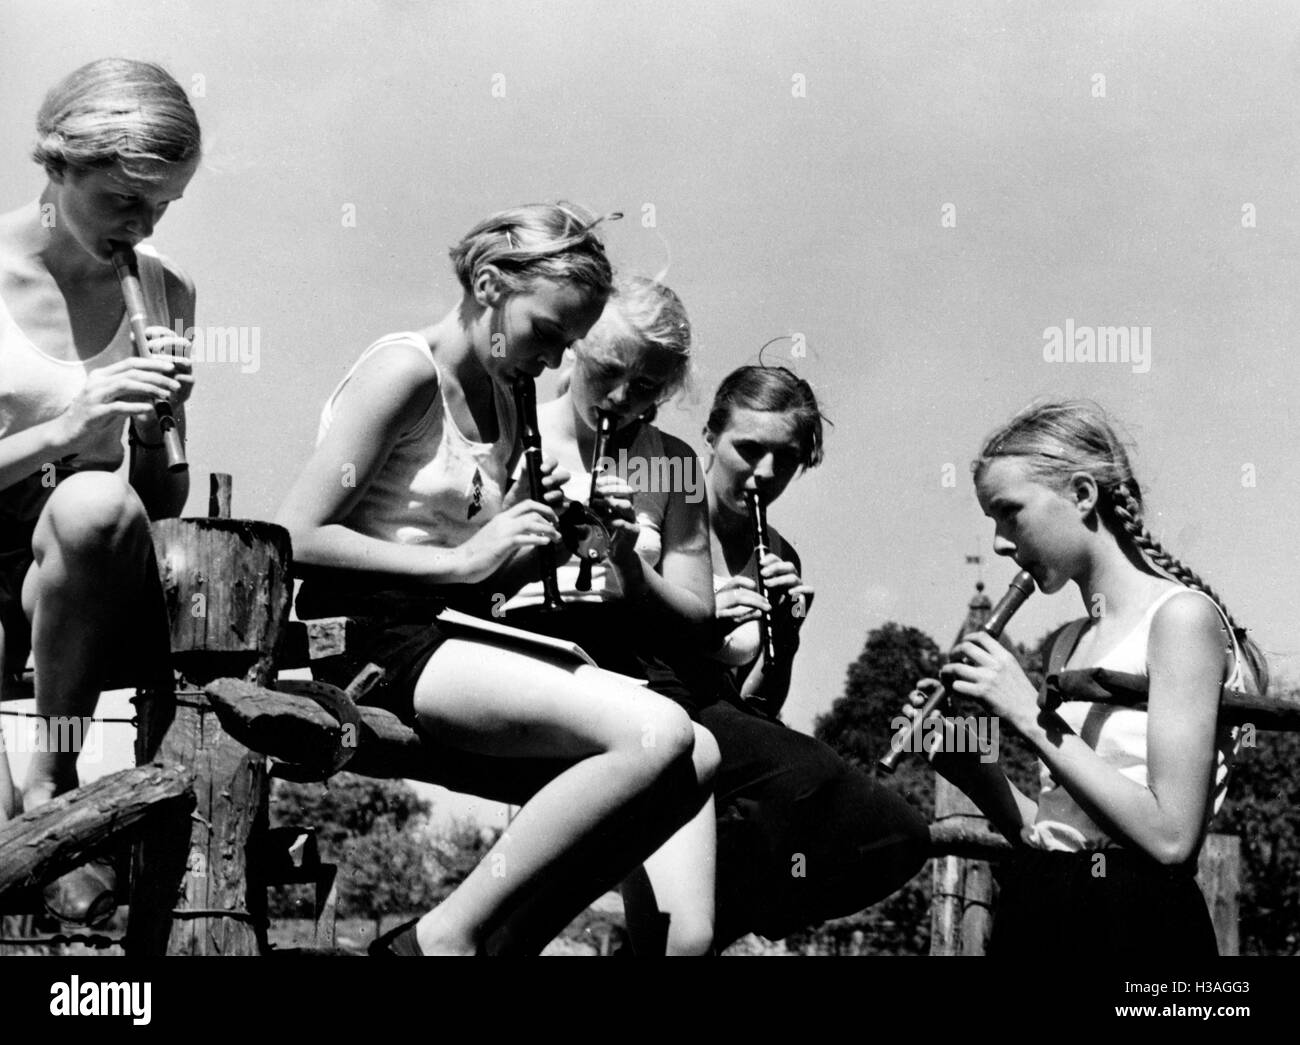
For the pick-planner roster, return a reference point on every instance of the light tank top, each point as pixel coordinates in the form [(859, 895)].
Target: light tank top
[(1119, 736), (36, 388), (436, 487)]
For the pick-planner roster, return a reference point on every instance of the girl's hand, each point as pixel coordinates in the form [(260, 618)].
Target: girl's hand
[(993, 677), (737, 601), (528, 524), (938, 735), (613, 502), (785, 588), (125, 389), (553, 479), (165, 342)]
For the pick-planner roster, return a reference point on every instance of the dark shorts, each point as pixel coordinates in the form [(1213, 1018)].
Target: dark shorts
[(618, 641), (1109, 904), (400, 634)]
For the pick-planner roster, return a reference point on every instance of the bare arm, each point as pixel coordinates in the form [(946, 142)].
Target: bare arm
[(1008, 808), (386, 396), (681, 590), (1186, 660)]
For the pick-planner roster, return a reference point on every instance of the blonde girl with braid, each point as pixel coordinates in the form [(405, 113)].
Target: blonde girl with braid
[(1106, 851)]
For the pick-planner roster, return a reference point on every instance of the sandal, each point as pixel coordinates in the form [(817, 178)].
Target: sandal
[(86, 895), (397, 943)]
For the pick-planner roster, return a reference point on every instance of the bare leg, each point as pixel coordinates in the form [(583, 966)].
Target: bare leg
[(669, 899), (9, 804), (628, 741), (91, 546)]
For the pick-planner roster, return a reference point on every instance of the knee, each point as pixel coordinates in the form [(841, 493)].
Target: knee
[(690, 936), (707, 758), (666, 733), (93, 511)]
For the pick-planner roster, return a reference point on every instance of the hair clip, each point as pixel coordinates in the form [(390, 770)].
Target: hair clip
[(613, 215)]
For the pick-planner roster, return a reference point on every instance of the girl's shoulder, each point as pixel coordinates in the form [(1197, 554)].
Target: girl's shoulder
[(175, 278), (395, 377), (1182, 609), (671, 445)]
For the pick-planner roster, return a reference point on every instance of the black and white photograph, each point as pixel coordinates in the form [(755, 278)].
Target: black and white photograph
[(628, 479)]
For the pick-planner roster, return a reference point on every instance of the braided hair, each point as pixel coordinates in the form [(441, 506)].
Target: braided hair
[(1058, 438)]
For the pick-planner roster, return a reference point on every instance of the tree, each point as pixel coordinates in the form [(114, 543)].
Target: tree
[(1263, 808), (859, 726), (375, 831)]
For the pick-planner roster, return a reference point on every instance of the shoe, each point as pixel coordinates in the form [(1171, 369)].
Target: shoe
[(86, 895), (397, 943)]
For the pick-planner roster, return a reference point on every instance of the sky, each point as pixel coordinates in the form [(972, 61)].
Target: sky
[(913, 193)]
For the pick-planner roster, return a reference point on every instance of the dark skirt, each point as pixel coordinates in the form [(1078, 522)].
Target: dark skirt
[(1104, 904), (802, 836)]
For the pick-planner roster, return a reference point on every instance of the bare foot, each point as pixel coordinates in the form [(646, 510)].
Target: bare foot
[(39, 791)]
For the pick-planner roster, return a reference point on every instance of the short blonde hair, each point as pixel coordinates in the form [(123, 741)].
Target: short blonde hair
[(116, 110), (644, 316)]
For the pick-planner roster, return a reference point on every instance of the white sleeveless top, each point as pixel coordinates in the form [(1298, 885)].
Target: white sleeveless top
[(640, 465), (36, 387), (1119, 736), (436, 486)]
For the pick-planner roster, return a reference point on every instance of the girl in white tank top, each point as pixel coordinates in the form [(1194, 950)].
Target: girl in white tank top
[(1141, 785), (119, 142), (409, 490)]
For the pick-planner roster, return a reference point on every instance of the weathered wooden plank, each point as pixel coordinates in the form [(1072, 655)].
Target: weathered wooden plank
[(1219, 876), (972, 838), (287, 726), (226, 583), (306, 642), (52, 839)]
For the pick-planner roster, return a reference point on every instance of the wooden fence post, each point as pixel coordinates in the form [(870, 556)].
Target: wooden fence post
[(961, 906), (227, 588), (1219, 876)]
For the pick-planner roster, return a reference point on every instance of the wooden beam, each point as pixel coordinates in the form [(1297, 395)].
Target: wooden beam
[(64, 833)]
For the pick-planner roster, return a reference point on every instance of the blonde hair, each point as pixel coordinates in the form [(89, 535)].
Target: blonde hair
[(644, 316), (555, 241), (1055, 440), (116, 110)]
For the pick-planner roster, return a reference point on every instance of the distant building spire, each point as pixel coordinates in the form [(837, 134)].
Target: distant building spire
[(977, 612)]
